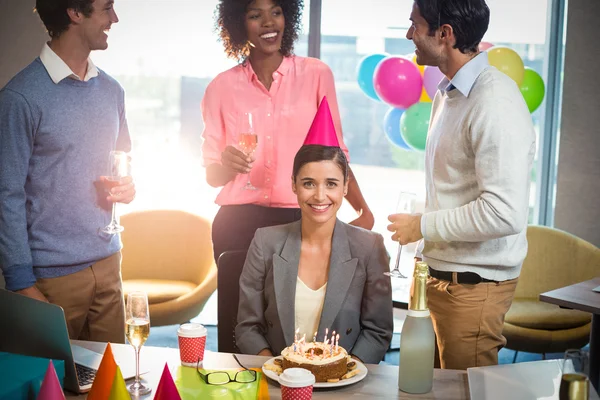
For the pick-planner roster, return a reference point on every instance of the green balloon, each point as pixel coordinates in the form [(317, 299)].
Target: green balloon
[(533, 89), (414, 125)]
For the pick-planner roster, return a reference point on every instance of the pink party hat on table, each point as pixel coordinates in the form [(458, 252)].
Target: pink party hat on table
[(118, 391), (166, 389), (322, 130), (51, 389)]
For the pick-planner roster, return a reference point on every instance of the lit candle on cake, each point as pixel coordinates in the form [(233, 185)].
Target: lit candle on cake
[(315, 337), (326, 332), (337, 341), (332, 342)]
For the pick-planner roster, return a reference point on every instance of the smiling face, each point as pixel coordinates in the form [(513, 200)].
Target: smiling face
[(320, 189), (427, 48), (265, 24), (94, 28)]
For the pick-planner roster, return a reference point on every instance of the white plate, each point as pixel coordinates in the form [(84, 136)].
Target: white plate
[(343, 382)]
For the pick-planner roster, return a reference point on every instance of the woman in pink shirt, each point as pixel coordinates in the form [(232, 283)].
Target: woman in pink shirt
[(283, 92)]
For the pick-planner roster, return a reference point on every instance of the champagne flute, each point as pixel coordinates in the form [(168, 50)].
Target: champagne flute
[(574, 383), (406, 205), (247, 140), (119, 169), (137, 330)]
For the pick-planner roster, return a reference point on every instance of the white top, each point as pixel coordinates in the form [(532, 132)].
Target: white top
[(308, 308), (479, 154), (59, 70)]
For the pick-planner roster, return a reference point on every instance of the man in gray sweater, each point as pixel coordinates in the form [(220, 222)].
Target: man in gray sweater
[(59, 119), (479, 154)]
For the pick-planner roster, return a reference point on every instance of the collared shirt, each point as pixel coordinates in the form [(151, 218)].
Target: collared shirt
[(59, 70), (466, 76), (463, 81), (283, 115)]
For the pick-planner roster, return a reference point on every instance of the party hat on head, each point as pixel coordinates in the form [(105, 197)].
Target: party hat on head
[(51, 389), (118, 391), (166, 389), (322, 130), (104, 376)]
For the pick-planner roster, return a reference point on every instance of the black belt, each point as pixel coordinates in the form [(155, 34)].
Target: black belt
[(468, 278)]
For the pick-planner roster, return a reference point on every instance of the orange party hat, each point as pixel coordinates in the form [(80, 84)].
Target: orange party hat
[(118, 391), (166, 389), (51, 389), (322, 130), (104, 377)]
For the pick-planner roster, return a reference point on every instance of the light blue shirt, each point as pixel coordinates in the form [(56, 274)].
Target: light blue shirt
[(466, 76), (463, 81)]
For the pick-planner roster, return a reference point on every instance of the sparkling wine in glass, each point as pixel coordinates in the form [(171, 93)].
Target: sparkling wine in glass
[(574, 383), (406, 205), (118, 169), (137, 330), (248, 140)]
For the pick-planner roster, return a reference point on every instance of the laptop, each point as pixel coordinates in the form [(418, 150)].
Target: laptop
[(34, 328)]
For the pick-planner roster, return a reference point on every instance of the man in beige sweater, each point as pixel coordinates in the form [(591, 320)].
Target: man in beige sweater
[(480, 149)]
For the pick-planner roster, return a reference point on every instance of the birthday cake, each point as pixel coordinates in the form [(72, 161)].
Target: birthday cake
[(326, 361)]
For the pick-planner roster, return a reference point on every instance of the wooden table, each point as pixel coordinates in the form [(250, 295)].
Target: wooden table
[(380, 383), (582, 297)]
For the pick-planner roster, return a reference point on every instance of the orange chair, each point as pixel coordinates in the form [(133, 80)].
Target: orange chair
[(168, 254), (554, 259)]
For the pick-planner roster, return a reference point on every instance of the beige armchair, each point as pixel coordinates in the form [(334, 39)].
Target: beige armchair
[(554, 259), (168, 254)]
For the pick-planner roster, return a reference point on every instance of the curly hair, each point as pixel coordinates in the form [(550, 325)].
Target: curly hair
[(230, 22), (53, 13)]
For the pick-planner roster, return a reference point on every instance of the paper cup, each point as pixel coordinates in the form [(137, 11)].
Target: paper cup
[(296, 384), (192, 341)]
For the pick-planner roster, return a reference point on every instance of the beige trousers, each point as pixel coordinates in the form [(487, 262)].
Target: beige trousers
[(468, 321), (92, 299)]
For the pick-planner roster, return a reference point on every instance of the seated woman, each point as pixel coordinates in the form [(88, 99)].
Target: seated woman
[(316, 273)]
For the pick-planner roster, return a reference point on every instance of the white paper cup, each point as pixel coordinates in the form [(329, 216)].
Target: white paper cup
[(296, 384), (192, 341)]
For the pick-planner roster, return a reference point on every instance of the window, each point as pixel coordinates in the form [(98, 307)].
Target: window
[(383, 169), (164, 54)]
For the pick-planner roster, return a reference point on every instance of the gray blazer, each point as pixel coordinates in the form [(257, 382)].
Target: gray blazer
[(358, 298)]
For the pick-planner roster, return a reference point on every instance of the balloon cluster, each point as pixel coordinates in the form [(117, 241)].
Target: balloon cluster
[(408, 88)]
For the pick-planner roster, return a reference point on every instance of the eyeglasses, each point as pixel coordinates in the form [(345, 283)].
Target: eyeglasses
[(222, 377)]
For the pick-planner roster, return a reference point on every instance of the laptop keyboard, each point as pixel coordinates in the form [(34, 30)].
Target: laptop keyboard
[(85, 375)]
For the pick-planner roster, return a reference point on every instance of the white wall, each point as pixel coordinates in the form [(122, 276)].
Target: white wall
[(23, 36)]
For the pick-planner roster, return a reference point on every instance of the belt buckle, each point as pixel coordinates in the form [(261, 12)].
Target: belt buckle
[(471, 278)]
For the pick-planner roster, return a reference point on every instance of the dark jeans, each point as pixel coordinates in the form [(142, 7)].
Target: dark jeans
[(234, 226)]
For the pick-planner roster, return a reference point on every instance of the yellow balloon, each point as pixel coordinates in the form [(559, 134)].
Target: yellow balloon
[(508, 61), (421, 67), (424, 97)]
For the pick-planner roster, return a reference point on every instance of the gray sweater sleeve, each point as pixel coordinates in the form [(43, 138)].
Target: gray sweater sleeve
[(16, 145)]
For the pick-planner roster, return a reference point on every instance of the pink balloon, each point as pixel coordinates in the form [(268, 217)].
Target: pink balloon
[(398, 82), (483, 46), (431, 79)]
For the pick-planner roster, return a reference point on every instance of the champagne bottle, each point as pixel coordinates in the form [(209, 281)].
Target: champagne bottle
[(417, 340)]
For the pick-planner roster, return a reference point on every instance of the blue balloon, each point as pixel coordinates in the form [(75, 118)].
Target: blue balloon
[(391, 127), (364, 73)]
